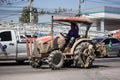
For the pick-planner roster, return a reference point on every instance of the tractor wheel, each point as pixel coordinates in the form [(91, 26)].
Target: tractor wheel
[(102, 50), (56, 59), (84, 55), (35, 62)]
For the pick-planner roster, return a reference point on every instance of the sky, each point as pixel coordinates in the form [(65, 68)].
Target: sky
[(52, 4), (56, 3), (70, 4), (73, 4)]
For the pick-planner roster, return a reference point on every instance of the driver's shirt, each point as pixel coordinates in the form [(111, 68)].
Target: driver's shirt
[(74, 33)]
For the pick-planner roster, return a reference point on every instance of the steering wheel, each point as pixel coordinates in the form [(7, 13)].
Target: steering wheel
[(64, 35)]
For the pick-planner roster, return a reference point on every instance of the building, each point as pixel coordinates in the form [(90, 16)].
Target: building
[(104, 18)]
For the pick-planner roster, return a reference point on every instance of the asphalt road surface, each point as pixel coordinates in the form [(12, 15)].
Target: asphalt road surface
[(103, 69)]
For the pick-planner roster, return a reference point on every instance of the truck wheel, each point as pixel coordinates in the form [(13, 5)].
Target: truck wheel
[(55, 59), (84, 55), (35, 62)]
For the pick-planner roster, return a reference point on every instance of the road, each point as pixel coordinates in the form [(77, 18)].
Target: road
[(103, 69)]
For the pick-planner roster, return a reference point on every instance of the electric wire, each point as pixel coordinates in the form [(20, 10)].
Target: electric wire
[(19, 2), (110, 2), (10, 15), (10, 2)]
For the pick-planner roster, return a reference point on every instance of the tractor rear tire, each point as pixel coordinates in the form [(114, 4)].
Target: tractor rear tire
[(56, 59), (84, 55)]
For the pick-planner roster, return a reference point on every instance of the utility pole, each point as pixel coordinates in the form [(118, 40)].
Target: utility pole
[(31, 7), (79, 7)]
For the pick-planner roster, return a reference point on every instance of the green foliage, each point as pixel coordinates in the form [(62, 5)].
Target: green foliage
[(25, 16)]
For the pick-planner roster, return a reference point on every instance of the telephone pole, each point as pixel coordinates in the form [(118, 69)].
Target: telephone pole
[(79, 7), (31, 7)]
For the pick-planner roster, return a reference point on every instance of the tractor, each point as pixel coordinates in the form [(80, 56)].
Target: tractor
[(51, 48)]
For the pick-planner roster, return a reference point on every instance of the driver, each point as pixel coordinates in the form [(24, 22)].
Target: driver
[(73, 33)]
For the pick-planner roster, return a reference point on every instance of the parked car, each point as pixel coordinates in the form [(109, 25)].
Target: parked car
[(112, 44)]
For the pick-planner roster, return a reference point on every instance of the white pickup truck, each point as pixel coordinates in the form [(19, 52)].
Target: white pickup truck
[(11, 47)]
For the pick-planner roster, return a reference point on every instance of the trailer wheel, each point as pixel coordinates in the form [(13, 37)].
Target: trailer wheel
[(84, 55), (56, 59)]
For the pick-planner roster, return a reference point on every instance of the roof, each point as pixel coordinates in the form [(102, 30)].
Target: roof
[(102, 12), (74, 19)]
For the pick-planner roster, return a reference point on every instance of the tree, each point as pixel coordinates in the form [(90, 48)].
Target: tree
[(25, 16)]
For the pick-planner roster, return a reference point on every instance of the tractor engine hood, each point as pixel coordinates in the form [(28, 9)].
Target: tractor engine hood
[(45, 39)]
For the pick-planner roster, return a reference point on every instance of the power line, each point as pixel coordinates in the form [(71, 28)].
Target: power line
[(10, 2), (10, 6), (13, 11), (47, 9), (4, 17), (20, 2)]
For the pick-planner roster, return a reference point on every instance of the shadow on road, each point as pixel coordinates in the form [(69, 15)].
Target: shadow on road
[(13, 63), (91, 67), (99, 66), (111, 56)]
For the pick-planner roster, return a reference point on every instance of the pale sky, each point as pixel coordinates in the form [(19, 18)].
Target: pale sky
[(52, 4), (73, 4)]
